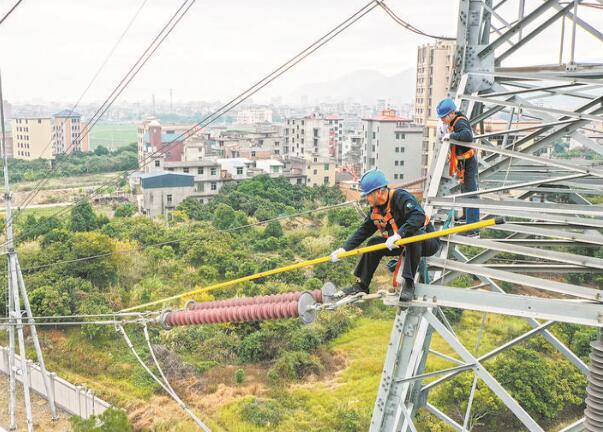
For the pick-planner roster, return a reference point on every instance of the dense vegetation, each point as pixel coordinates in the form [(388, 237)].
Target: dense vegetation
[(139, 260), (74, 164)]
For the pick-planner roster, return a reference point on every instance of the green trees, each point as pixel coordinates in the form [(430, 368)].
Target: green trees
[(33, 227), (263, 197), (76, 163), (125, 210), (224, 216), (83, 217), (544, 386), (273, 229)]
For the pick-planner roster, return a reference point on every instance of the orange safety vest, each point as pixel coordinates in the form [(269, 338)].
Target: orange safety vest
[(381, 221), (454, 158)]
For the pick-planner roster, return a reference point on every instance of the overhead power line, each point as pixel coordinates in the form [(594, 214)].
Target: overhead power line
[(121, 86), (409, 26), (37, 187), (183, 239), (232, 103), (11, 10), (188, 238)]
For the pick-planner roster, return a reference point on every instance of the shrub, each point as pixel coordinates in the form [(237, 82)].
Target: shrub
[(295, 365), (112, 420), (262, 412), (125, 210), (239, 376)]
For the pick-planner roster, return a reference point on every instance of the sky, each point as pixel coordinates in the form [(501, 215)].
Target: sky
[(49, 50)]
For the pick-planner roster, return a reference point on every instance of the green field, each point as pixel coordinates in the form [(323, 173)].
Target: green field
[(112, 135)]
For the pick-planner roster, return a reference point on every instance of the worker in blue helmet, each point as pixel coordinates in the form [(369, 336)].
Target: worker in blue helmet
[(395, 214), (462, 160)]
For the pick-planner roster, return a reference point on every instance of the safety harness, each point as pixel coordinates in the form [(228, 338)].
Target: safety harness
[(381, 221), (453, 165)]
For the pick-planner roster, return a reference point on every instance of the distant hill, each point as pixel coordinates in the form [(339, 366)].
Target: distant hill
[(364, 86)]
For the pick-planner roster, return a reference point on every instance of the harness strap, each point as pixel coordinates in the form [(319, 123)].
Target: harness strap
[(381, 221), (453, 169)]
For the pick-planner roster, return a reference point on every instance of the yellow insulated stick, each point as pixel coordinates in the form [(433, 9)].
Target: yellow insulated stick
[(354, 252)]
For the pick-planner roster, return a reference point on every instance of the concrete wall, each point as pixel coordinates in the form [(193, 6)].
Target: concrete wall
[(74, 399), (156, 202)]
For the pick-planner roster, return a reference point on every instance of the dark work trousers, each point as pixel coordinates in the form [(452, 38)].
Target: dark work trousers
[(470, 185), (414, 251)]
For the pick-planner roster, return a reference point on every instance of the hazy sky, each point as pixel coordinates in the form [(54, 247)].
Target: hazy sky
[(50, 49)]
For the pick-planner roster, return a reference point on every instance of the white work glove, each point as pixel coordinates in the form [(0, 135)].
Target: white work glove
[(446, 137), (391, 241), (335, 253)]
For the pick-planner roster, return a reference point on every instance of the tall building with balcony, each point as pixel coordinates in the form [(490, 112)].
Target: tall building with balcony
[(434, 66), (69, 133)]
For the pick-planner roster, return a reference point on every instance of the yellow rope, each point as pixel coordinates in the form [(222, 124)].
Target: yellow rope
[(354, 252)]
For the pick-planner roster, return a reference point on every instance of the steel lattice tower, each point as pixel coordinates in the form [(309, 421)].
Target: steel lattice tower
[(542, 198)]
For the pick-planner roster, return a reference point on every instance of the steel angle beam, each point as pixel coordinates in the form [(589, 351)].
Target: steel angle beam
[(566, 190), (572, 77), (566, 222), (532, 89), (546, 243), (530, 107), (482, 373), (536, 330), (568, 258), (586, 26), (520, 185), (536, 159), (522, 129), (518, 26), (535, 32), (439, 414), (519, 279), (523, 206), (574, 427), (542, 268), (568, 311), (480, 258), (535, 230)]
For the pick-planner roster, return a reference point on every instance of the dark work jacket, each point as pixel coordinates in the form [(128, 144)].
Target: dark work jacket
[(405, 209), (462, 132)]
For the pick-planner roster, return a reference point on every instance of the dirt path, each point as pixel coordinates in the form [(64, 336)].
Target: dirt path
[(40, 411)]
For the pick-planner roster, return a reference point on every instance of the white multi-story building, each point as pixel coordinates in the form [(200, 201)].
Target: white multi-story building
[(393, 145), (270, 166), (351, 148), (313, 136), (208, 175), (236, 168)]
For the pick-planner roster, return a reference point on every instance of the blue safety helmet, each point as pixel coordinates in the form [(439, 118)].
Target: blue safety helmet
[(445, 107), (371, 181)]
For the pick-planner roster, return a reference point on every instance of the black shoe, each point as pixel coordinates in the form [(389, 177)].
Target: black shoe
[(408, 291), (355, 289)]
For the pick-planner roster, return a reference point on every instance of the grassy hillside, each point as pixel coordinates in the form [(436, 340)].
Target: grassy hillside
[(273, 375)]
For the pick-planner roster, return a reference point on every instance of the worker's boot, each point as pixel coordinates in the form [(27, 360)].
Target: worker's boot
[(355, 289), (408, 291)]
